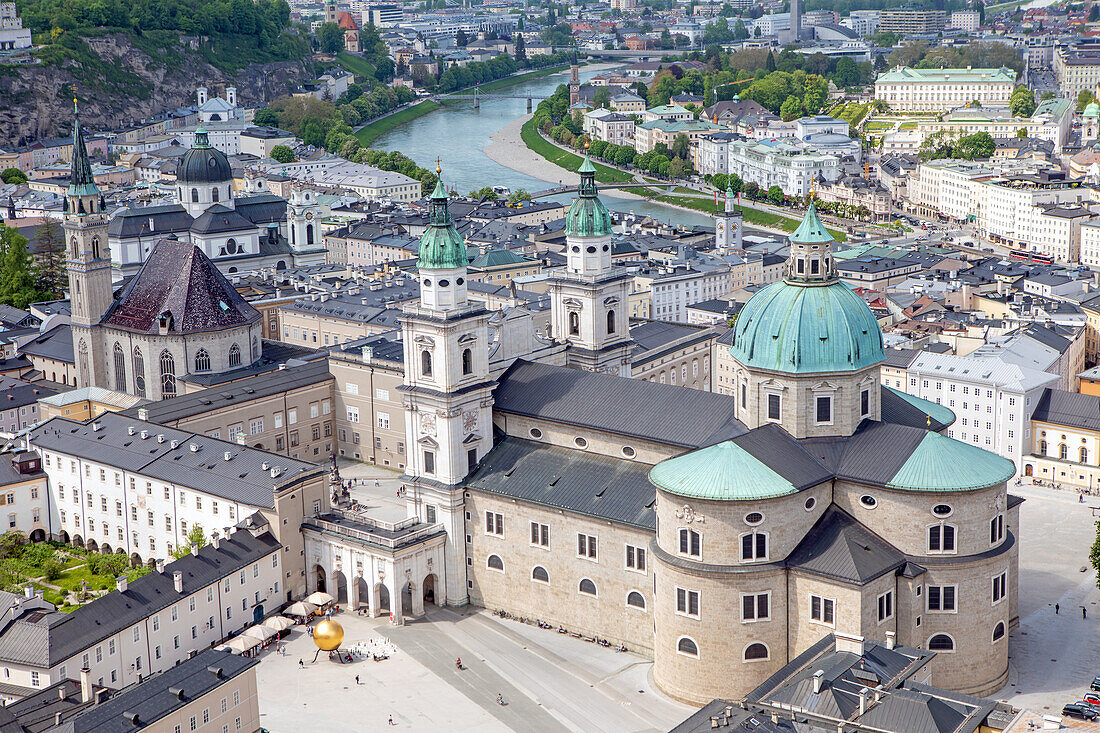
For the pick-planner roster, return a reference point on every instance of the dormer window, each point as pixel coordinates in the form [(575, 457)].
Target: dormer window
[(815, 267), (800, 266)]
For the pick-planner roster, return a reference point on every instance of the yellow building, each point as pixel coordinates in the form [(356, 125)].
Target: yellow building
[(1065, 430)]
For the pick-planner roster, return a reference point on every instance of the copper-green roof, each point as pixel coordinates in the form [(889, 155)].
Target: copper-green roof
[(795, 328), (940, 463), (811, 230), (722, 472), (441, 246), (587, 216), (81, 181)]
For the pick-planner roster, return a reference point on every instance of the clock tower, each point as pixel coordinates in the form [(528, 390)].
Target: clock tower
[(447, 390), (727, 225), (304, 227)]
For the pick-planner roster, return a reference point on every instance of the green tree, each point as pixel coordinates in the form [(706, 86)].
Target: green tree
[(330, 38), (1084, 98), (681, 146), (13, 175), (266, 116), (18, 275), (775, 195), (602, 98), (520, 194), (195, 536), (50, 258), (847, 73), (752, 189), (740, 32), (1022, 101), (791, 108), (978, 145), (460, 39), (282, 153), (521, 48), (769, 65)]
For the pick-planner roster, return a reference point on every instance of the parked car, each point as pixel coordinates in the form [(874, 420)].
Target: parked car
[(1095, 684), (1091, 698), (1085, 712)]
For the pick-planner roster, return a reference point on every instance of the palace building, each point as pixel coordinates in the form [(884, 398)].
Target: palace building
[(723, 534)]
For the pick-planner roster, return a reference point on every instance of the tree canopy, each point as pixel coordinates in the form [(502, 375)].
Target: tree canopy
[(13, 175), (1022, 102), (18, 275)]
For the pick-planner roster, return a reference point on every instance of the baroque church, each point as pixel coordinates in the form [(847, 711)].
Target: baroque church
[(239, 233), (722, 535)]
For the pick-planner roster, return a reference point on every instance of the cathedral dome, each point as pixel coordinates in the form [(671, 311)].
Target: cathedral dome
[(441, 246), (204, 164), (587, 215)]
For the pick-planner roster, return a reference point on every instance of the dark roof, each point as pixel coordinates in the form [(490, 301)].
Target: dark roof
[(233, 394), (840, 548), (17, 393), (57, 344), (261, 208), (775, 448), (660, 412), (873, 454), (1071, 409), (52, 638), (203, 164), (165, 219), (180, 279), (220, 218), (897, 410), (587, 483)]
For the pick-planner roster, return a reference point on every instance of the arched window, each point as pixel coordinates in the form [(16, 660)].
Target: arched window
[(1084, 454), (309, 234), (426, 363), (635, 599), (611, 322), (139, 373), (194, 195), (687, 646), (82, 352), (467, 361), (202, 361), (539, 574), (95, 248), (234, 355), (999, 631), (1063, 451), (495, 563), (167, 375), (941, 643), (72, 247), (1042, 447), (756, 652), (216, 196), (587, 587), (574, 324), (120, 369)]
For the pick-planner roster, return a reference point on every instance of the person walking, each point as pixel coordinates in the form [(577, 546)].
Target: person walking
[(391, 721), (1055, 609), (301, 664), (356, 679), (1084, 612)]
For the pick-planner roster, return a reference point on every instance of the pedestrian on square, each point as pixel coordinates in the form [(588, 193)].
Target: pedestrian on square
[(391, 721), (356, 679), (1084, 612), (1055, 609), (301, 664)]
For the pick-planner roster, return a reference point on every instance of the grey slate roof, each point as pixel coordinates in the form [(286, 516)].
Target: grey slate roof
[(841, 548), (220, 218), (50, 639), (242, 478), (660, 412), (1068, 408), (595, 485), (56, 344), (873, 454), (899, 411)]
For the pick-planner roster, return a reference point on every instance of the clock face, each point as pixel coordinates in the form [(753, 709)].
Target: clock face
[(721, 227), (309, 214), (469, 421), (427, 423)]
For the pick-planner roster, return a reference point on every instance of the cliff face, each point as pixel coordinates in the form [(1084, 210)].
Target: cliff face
[(36, 101)]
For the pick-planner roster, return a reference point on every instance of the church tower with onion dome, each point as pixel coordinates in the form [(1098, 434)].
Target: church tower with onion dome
[(589, 308), (447, 390)]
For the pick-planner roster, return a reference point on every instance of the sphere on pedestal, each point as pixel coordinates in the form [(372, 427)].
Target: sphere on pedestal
[(327, 635)]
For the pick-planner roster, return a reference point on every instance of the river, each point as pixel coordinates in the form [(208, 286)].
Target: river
[(457, 134)]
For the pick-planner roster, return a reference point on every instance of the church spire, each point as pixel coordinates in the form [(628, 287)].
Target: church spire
[(811, 260), (81, 181), (441, 246)]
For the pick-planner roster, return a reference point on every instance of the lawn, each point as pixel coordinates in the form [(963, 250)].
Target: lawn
[(355, 64), (878, 126), (535, 142), (750, 215), (509, 80), (372, 130)]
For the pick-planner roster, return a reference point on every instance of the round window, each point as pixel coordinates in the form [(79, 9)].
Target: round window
[(810, 504), (605, 248), (535, 433), (444, 283), (427, 283), (576, 248), (868, 501), (941, 510), (754, 518), (629, 452), (591, 249), (580, 442), (459, 280)]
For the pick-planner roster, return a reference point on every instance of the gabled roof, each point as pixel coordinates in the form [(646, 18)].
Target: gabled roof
[(1072, 409), (220, 218), (178, 278), (841, 548)]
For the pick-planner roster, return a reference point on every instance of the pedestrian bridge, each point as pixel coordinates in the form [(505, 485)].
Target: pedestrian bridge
[(668, 188)]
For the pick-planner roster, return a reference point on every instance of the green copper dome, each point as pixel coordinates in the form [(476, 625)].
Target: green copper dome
[(811, 230), (722, 472), (441, 246), (587, 215)]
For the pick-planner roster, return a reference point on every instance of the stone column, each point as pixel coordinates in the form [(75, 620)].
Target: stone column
[(353, 594), (396, 602)]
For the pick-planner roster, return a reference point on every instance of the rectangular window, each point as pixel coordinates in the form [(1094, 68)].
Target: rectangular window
[(1000, 586), (822, 609), (755, 607), (687, 602), (941, 598), (886, 606), (540, 534), (586, 546), (494, 523), (996, 529), (690, 543), (941, 538), (255, 427), (864, 402), (429, 462), (754, 546), (773, 407), (824, 409), (384, 420), (635, 558)]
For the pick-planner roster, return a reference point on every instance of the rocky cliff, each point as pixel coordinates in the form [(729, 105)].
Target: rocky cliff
[(36, 101)]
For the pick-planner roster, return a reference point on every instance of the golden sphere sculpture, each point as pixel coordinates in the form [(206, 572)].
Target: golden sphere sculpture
[(328, 635)]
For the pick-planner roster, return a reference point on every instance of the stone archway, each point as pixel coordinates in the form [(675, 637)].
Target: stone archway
[(135, 560), (78, 541), (319, 573), (339, 587), (362, 591), (38, 535), (92, 546), (63, 537), (105, 549), (407, 591), (429, 589), (382, 594)]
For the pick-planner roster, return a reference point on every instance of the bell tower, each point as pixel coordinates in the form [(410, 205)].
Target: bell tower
[(304, 227), (447, 390), (88, 263), (589, 300), (727, 225)]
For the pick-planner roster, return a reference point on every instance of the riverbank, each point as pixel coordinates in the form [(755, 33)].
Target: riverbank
[(371, 131)]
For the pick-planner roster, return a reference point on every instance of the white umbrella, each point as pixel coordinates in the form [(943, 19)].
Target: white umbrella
[(242, 643), (263, 633), (301, 608), (320, 598), (278, 623)]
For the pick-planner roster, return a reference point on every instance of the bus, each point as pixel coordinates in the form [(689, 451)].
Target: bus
[(1036, 257)]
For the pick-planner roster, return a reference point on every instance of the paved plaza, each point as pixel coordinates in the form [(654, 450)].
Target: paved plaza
[(554, 682)]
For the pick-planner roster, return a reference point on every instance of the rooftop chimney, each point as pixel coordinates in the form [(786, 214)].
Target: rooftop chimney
[(240, 438), (28, 591), (215, 540), (819, 678), (177, 580), (863, 693), (85, 684), (195, 548), (851, 643), (160, 565), (143, 413), (95, 427), (121, 583), (890, 639)]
